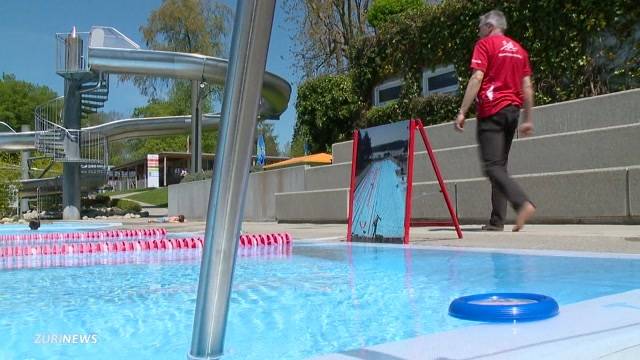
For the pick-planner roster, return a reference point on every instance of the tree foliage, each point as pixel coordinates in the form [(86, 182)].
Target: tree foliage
[(177, 104), (190, 26), (270, 139), (323, 32), (382, 10), (327, 110), (18, 99), (9, 175), (577, 49)]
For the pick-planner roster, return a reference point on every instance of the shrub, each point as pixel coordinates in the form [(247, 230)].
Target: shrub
[(327, 109), (380, 115), (126, 205), (102, 199), (202, 175), (433, 109), (436, 109)]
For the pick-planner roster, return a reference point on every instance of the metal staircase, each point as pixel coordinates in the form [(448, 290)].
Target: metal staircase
[(72, 145), (95, 94)]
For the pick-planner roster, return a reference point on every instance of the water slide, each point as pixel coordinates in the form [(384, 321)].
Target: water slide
[(110, 52)]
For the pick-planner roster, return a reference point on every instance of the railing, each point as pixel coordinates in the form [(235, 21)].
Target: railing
[(72, 52), (66, 145), (50, 134)]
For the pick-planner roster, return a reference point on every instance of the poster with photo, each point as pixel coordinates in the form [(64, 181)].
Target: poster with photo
[(379, 194)]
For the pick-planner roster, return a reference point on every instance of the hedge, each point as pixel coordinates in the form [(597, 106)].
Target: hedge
[(577, 49), (126, 205)]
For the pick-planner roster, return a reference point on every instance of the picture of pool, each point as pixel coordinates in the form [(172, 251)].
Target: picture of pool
[(381, 173)]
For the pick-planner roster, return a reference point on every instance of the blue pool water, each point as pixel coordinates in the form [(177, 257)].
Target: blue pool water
[(321, 299), (18, 229)]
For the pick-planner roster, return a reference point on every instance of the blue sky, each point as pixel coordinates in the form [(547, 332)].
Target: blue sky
[(27, 33)]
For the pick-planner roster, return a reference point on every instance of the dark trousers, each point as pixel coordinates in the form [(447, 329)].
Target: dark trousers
[(495, 134)]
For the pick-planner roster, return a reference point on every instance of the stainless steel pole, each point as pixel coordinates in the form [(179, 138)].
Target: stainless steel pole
[(24, 163), (196, 128), (249, 45)]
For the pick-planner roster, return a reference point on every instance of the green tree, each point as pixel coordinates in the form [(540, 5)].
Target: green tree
[(323, 31), (9, 175), (133, 149), (190, 26), (270, 139), (18, 99), (381, 10), (327, 109)]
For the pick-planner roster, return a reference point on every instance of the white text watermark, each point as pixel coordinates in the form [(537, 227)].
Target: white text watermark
[(72, 339)]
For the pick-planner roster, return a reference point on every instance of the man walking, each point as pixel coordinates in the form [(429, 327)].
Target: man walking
[(501, 85)]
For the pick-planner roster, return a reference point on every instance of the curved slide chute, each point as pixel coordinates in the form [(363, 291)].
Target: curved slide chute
[(110, 52)]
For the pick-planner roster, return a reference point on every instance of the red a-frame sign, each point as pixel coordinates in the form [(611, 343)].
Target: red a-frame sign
[(381, 152)]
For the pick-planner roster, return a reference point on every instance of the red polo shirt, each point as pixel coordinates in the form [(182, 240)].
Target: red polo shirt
[(504, 63)]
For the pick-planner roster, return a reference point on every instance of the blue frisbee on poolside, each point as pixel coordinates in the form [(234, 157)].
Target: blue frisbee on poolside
[(504, 307)]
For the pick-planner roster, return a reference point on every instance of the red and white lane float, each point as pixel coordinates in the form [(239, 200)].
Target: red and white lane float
[(94, 235), (126, 241)]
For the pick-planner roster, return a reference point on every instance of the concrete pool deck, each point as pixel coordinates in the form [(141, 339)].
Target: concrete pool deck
[(591, 238), (611, 331)]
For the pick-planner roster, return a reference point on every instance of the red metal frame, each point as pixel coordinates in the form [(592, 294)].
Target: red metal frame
[(352, 186), (434, 163), (407, 210)]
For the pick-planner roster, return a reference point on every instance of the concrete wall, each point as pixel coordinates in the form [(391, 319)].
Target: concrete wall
[(260, 201), (189, 199), (328, 177), (572, 196), (590, 113), (634, 192), (556, 167), (559, 197), (589, 149), (313, 206), (342, 152), (192, 199)]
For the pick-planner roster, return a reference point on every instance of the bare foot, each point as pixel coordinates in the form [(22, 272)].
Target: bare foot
[(524, 214)]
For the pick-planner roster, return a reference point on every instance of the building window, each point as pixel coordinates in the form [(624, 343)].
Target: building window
[(439, 81), (387, 92)]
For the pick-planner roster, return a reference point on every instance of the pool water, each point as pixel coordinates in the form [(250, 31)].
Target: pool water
[(21, 229), (322, 299)]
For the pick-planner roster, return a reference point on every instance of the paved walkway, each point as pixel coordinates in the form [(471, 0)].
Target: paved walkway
[(593, 238)]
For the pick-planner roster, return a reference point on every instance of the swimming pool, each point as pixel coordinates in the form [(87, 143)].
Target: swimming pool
[(17, 229), (321, 299)]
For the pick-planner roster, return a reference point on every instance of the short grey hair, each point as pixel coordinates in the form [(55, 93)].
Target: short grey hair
[(495, 18)]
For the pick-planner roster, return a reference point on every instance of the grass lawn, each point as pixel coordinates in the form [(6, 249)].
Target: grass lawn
[(131, 191), (157, 197)]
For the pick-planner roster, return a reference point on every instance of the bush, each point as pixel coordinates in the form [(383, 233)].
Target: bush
[(202, 175), (126, 205), (327, 109), (433, 109), (99, 200), (380, 115), (436, 109), (576, 48), (102, 199)]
